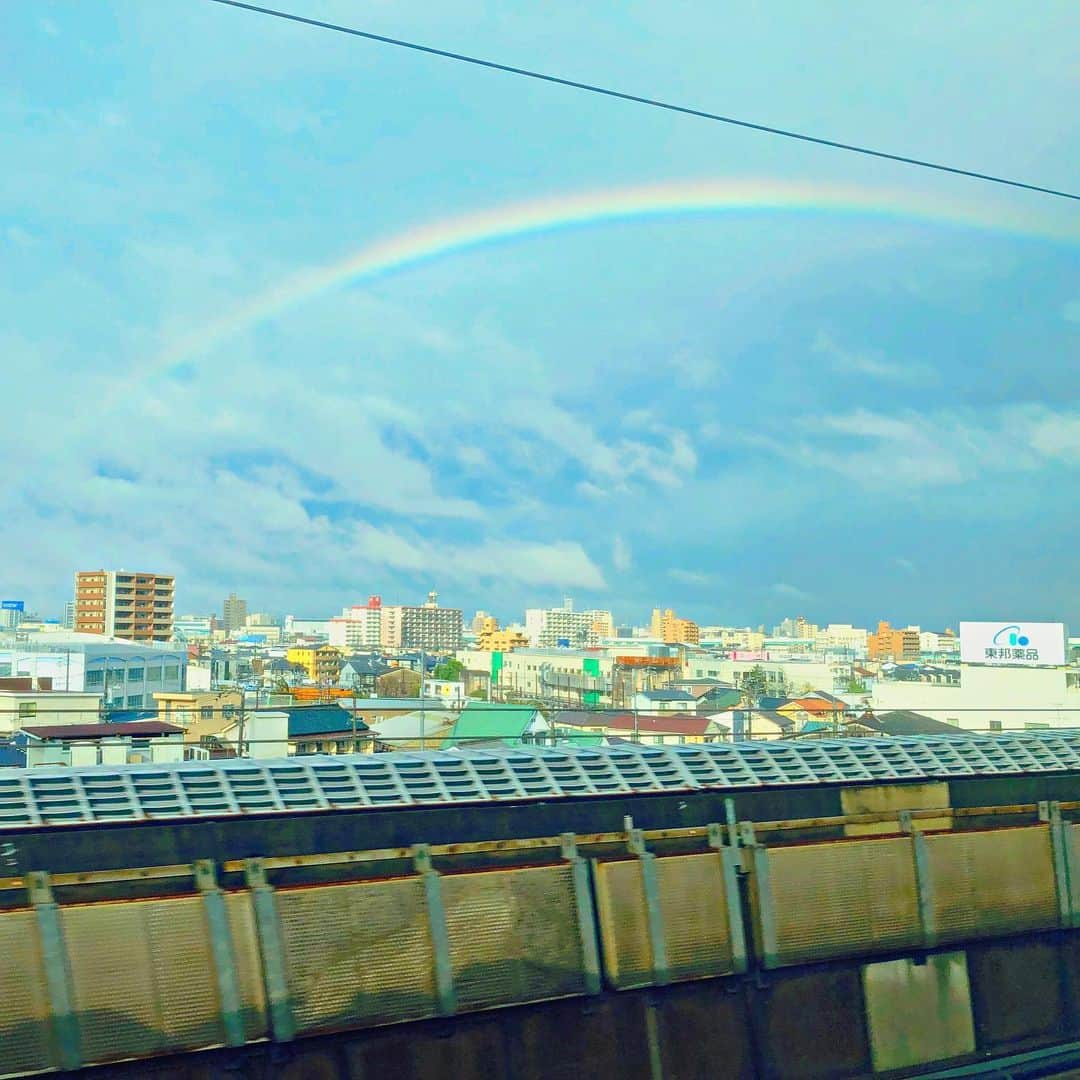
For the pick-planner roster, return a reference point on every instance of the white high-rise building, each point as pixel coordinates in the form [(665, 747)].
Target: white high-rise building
[(563, 626), (359, 626)]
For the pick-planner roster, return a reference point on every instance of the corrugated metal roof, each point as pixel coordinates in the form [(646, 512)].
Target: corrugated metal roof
[(56, 796)]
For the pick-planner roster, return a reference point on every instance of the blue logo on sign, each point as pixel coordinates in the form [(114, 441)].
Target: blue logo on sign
[(12, 605), (1010, 635)]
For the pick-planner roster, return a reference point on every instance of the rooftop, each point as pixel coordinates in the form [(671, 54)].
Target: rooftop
[(140, 728)]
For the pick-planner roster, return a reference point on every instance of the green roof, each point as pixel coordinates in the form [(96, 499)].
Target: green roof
[(491, 722)]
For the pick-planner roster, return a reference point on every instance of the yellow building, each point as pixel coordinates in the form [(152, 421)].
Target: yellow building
[(670, 629), (491, 639), (322, 664)]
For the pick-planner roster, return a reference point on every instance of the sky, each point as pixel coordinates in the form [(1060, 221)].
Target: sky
[(857, 401)]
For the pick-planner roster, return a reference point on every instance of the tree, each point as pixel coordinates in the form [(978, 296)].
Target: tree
[(754, 683), (856, 686), (448, 670)]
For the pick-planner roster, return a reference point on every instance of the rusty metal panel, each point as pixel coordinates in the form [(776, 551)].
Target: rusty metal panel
[(989, 883), (357, 955), (694, 907), (245, 946), (842, 899), (514, 936), (624, 924), (892, 798), (143, 977), (24, 1006), (918, 1012)]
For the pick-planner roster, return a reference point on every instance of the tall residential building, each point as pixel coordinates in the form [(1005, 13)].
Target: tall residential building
[(124, 604), (69, 615), (897, 645), (563, 626), (358, 627), (670, 629), (234, 613), (430, 627)]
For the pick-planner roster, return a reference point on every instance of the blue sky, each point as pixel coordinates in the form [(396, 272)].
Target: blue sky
[(741, 417)]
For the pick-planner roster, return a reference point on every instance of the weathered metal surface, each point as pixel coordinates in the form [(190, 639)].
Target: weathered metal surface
[(844, 898)]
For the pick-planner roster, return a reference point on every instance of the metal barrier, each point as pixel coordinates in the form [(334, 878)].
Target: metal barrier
[(522, 922)]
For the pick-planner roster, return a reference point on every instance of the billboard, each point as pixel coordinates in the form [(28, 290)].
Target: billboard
[(12, 605), (1013, 643)]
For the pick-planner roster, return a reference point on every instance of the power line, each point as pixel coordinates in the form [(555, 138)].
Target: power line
[(655, 103)]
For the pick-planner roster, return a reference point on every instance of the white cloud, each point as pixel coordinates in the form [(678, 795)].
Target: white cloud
[(871, 363), (788, 592), (621, 557), (690, 577)]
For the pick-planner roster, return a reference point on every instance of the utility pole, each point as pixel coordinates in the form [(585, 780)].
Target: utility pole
[(423, 714)]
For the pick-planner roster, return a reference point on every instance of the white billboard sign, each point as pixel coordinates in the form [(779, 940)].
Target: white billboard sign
[(1024, 644)]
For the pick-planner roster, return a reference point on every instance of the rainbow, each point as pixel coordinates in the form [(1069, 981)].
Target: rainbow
[(439, 239)]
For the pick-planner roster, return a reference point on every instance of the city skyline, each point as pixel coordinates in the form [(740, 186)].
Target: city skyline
[(318, 319)]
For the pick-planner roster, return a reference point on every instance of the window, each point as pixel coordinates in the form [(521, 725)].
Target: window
[(995, 725), (172, 672), (134, 701), (26, 709), (153, 675), (206, 712), (135, 674), (95, 678), (658, 740)]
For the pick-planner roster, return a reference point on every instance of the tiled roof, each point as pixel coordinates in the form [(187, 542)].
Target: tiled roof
[(483, 721)]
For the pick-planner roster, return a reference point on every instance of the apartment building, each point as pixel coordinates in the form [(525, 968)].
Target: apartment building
[(427, 626), (900, 646), (564, 627), (359, 626), (234, 614), (667, 627), (124, 604)]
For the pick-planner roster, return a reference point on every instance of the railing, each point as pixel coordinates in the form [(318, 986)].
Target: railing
[(206, 955)]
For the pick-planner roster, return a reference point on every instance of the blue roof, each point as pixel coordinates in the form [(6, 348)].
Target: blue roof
[(319, 719), (12, 755)]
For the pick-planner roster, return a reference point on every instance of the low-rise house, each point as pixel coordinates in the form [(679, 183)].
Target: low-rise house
[(666, 700), (903, 722), (583, 728), (425, 730), (484, 722), (103, 744), (360, 671), (813, 708)]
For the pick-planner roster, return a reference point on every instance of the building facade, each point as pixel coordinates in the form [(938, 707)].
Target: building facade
[(124, 604), (667, 627), (900, 646), (125, 675), (428, 626), (322, 663), (549, 628), (234, 614), (359, 626)]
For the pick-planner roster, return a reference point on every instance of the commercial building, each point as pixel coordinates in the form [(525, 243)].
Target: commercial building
[(124, 674), (1011, 675), (234, 614), (568, 676), (193, 627), (667, 627), (359, 626), (124, 604), (900, 646), (428, 626)]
